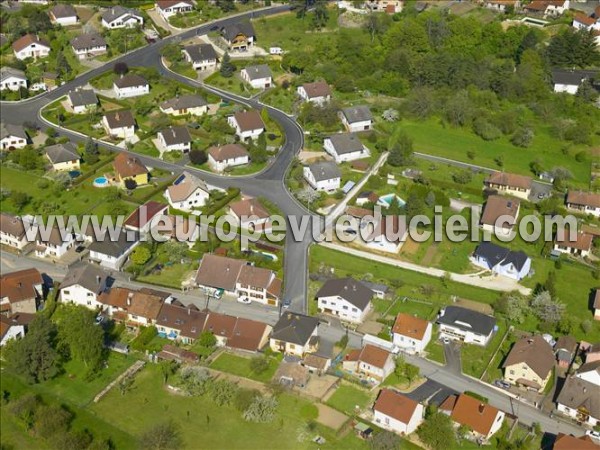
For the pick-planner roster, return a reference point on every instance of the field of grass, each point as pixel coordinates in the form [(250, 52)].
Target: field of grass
[(435, 350), (346, 398), (240, 366), (475, 358)]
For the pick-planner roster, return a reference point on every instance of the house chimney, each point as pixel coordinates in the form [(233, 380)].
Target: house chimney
[(481, 408), (117, 116), (189, 311), (19, 284), (98, 279), (129, 297)]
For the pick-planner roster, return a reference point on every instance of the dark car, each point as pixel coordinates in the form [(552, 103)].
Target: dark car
[(502, 384), (79, 249), (287, 303), (214, 28)]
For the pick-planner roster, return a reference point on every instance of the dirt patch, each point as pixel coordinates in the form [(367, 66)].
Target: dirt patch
[(370, 327), (475, 306), (307, 156), (319, 386), (351, 20), (462, 8), (330, 417), (430, 254), (84, 14), (410, 247)]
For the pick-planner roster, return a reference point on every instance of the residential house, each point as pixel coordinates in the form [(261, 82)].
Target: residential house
[(569, 80), (88, 45), (180, 228), (379, 290), (501, 261), (12, 136), (345, 147), (169, 8), (386, 6), (396, 412), (466, 325), (134, 308), (14, 326), (250, 213), (201, 56), (316, 363), (589, 23), (258, 285), (239, 36), (595, 304), (295, 334), (591, 351), (176, 138), (12, 79), (510, 184), (565, 350), (191, 104), (83, 285), (228, 155), (370, 361), (410, 333), (579, 400), (30, 46), (63, 156), (547, 8), (482, 419), (128, 167), (259, 76), (218, 274), (64, 15), (580, 245), (130, 85), (119, 124), (21, 292), (247, 124), (346, 298), (388, 234), (584, 202), (145, 216), (113, 254), (501, 5), (317, 92), (12, 231), (570, 442), (590, 372), (187, 192), (357, 118), (82, 100), (530, 363), (248, 335), (323, 176), (120, 17), (53, 243), (179, 323), (500, 215)]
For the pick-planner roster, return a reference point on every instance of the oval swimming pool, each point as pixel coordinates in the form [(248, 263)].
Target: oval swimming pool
[(101, 182)]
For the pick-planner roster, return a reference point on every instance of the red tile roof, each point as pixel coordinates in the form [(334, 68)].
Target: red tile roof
[(410, 326), (395, 405), (472, 412)]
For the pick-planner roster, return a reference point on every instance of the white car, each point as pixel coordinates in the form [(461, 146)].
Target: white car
[(593, 434), (244, 300)]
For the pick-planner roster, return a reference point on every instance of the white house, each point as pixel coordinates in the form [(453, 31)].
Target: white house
[(372, 362), (249, 213), (509, 184), (247, 124), (82, 100), (120, 124), (318, 92), (396, 412), (12, 231), (481, 419), (588, 23), (501, 261), (175, 139), (346, 298), (113, 254), (12, 79), (30, 46), (64, 15), (53, 243), (500, 215), (82, 286), (120, 17), (323, 176), (201, 56), (357, 118), (131, 85), (169, 8), (584, 202), (466, 325), (569, 80), (411, 333), (88, 45), (552, 8), (590, 372), (388, 234), (228, 155), (14, 326), (345, 147), (188, 192), (579, 400), (259, 77), (12, 136), (581, 245), (295, 334), (258, 285), (191, 104)]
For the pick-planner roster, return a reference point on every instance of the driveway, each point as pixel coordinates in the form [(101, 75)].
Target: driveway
[(452, 354), (538, 188)]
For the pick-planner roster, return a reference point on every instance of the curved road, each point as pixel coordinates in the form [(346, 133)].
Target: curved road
[(269, 184)]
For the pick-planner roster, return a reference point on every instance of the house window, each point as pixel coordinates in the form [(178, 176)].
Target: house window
[(66, 292), (292, 347), (512, 372), (344, 307)]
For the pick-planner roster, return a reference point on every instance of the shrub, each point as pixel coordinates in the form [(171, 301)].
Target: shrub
[(198, 157), (143, 339), (486, 130)]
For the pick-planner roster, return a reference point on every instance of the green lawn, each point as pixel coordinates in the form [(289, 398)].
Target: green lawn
[(240, 366), (346, 397), (435, 350), (170, 276), (475, 358)]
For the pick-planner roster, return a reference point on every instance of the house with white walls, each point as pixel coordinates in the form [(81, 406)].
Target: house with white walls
[(411, 333), (317, 92), (295, 334), (170, 8), (12, 231), (30, 46), (130, 85), (372, 362), (83, 285), (119, 124), (113, 254), (88, 45), (259, 76), (228, 155), (82, 100), (12, 79), (175, 138), (53, 243), (247, 124), (323, 176), (396, 412), (584, 202), (249, 213), (357, 118), (191, 104), (466, 325), (501, 261), (187, 192), (12, 136), (64, 14), (120, 17), (345, 147), (201, 56), (345, 298)]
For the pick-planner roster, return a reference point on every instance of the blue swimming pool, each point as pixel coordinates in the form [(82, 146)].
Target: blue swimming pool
[(389, 198), (101, 182)]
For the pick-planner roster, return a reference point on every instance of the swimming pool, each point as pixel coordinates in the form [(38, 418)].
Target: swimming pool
[(101, 182), (389, 198)]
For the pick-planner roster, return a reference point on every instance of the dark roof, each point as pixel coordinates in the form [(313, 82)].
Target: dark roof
[(62, 11), (115, 12), (183, 102), (188, 321), (496, 254), (249, 120), (258, 72), (27, 40), (589, 367), (83, 97), (533, 351), (7, 72), (119, 119), (114, 248), (325, 170), (86, 275), (577, 393), (130, 80), (9, 129), (349, 289), (571, 76), (12, 225), (88, 40), (467, 319), (60, 153), (201, 52), (227, 151), (357, 114), (294, 328), (176, 135), (346, 143), (231, 31)]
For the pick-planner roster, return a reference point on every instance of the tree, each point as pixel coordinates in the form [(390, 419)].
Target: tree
[(411, 372), (130, 184), (167, 368), (522, 137), (514, 306), (546, 309), (259, 364), (320, 15), (390, 115), (164, 436), (172, 53), (207, 339), (20, 199), (120, 68), (35, 356), (175, 251), (198, 157), (223, 392), (437, 432), (91, 151), (140, 255), (261, 410), (50, 420), (587, 92), (463, 176), (195, 380), (401, 149), (63, 68), (244, 398), (227, 67), (125, 385), (573, 48), (385, 440)]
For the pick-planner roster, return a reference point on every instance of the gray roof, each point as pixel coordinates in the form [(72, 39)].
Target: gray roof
[(115, 12), (90, 277), (83, 97), (376, 287), (572, 77), (88, 40), (589, 367), (130, 80), (325, 170), (62, 153), (294, 328), (7, 72), (357, 114), (467, 319), (201, 52), (231, 31), (258, 72), (63, 11), (495, 254), (184, 102), (9, 129), (176, 135), (349, 289), (346, 143), (577, 393), (114, 248)]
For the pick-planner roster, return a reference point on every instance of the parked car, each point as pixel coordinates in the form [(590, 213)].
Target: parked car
[(286, 303), (502, 384), (244, 300), (79, 249), (593, 434), (99, 320), (446, 340)]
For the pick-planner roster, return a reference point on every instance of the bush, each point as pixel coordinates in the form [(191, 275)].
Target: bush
[(143, 339), (522, 137), (485, 130), (198, 157), (481, 398), (463, 177)]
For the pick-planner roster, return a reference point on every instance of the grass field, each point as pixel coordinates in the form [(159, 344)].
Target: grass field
[(237, 365), (346, 398), (475, 358)]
